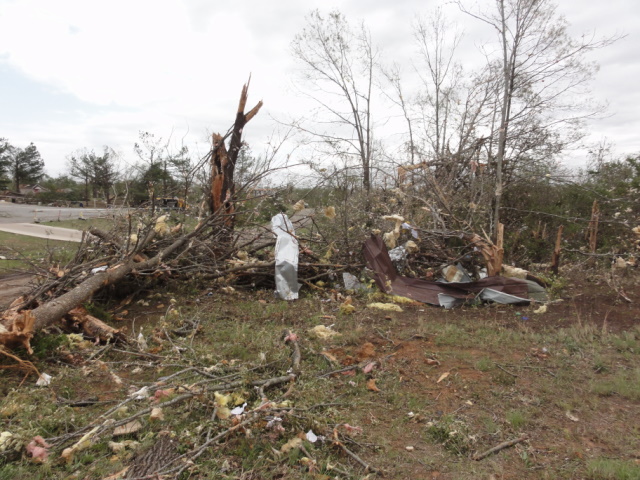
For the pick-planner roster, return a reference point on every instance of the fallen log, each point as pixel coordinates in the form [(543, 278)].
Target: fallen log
[(54, 310)]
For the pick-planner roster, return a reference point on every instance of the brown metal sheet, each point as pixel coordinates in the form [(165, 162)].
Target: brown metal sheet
[(389, 281)]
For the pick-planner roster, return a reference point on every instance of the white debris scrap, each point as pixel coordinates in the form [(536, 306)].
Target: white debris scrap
[(44, 380), (286, 260)]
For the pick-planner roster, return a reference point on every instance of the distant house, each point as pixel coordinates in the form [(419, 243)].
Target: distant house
[(9, 196), (32, 189)]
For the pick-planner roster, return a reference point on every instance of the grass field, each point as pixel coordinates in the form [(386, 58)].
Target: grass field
[(22, 252), (77, 224), (442, 386)]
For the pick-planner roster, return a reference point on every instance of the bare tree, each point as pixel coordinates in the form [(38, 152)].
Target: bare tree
[(338, 68), (154, 167), (541, 69)]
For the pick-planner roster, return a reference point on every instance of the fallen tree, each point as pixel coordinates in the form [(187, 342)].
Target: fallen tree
[(147, 251)]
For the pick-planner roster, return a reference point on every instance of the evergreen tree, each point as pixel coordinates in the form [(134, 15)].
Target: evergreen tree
[(5, 161), (25, 166)]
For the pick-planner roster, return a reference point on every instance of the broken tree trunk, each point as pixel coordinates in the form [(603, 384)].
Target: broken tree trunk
[(492, 253), (593, 227), (555, 259), (223, 162)]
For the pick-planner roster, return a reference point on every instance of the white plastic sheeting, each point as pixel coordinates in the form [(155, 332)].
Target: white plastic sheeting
[(287, 285)]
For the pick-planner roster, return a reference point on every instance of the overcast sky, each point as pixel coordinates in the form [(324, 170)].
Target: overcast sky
[(85, 73)]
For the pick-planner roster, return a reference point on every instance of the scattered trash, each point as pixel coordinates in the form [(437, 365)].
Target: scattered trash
[(239, 410), (411, 246), (391, 238), (351, 429), (222, 411), (536, 291), (541, 309), (299, 206), (5, 440), (443, 376), (312, 437), (156, 414), (409, 448), (44, 380), (82, 444), (346, 307), (620, 263), (37, 448), (371, 385), (140, 394), (286, 257), (117, 447), (98, 269), (388, 307), (142, 342), (323, 333), (330, 212), (455, 273), (128, 428), (448, 295), (571, 417), (398, 255), (351, 282), (403, 300), (295, 442), (161, 227), (514, 272), (369, 367), (276, 424), (414, 232)]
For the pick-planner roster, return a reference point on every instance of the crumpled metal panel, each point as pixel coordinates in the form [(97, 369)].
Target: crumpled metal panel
[(286, 260), (436, 293)]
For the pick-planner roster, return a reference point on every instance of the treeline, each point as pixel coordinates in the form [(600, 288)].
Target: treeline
[(156, 171)]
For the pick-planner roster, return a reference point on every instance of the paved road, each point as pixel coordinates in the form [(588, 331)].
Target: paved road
[(18, 213), (19, 219)]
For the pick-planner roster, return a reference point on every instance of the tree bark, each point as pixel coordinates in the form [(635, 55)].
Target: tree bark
[(223, 162), (555, 259), (593, 227), (54, 310)]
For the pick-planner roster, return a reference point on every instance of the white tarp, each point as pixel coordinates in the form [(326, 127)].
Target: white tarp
[(287, 285)]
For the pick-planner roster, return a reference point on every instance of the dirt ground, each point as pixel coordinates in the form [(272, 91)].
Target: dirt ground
[(12, 286), (442, 387)]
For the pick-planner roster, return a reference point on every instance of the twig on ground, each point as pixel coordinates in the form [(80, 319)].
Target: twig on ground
[(499, 447)]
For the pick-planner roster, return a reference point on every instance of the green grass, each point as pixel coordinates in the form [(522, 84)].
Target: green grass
[(611, 469), (517, 419), (451, 434), (625, 384), (484, 364), (77, 224), (22, 250)]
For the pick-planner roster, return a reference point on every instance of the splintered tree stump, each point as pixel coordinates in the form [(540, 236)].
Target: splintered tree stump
[(555, 260), (492, 253), (223, 161), (593, 227)]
